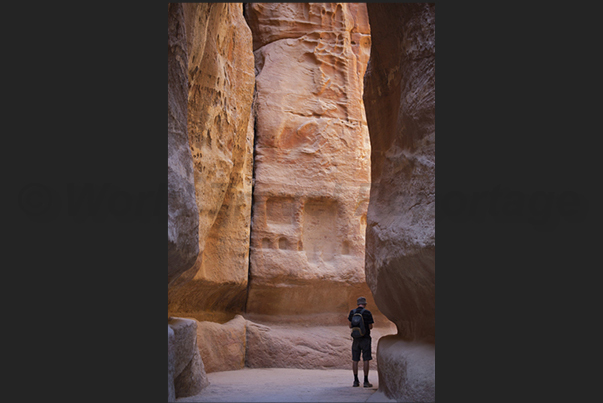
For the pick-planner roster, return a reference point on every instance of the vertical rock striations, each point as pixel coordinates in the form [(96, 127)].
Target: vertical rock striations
[(400, 102), (183, 215), (312, 164), (400, 238), (186, 375), (220, 95)]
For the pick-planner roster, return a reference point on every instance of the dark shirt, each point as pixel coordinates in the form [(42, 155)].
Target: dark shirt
[(366, 315)]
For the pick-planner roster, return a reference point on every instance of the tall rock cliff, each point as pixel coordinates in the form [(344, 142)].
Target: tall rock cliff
[(220, 95), (183, 214), (400, 239), (312, 163), (315, 170), (186, 375)]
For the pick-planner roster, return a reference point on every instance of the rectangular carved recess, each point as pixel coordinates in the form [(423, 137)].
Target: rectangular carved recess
[(320, 229), (280, 211)]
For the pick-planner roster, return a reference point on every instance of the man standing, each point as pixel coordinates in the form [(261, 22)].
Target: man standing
[(362, 343)]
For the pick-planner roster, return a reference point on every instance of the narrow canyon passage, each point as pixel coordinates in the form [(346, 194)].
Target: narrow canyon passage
[(283, 209), (286, 385)]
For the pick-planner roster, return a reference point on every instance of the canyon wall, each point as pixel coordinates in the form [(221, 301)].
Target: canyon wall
[(312, 163), (295, 253), (220, 95), (186, 375), (183, 214), (400, 239)]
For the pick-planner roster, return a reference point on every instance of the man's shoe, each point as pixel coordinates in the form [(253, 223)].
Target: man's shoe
[(356, 384), (368, 385)]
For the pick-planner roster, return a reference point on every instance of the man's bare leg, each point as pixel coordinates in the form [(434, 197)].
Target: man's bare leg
[(355, 370), (366, 372)]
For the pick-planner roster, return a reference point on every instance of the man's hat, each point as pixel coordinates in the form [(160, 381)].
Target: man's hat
[(361, 301)]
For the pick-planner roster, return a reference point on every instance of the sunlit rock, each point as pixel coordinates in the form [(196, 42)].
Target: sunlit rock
[(312, 163), (222, 346), (220, 95)]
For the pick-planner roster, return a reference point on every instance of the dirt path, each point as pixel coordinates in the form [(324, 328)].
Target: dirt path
[(287, 385)]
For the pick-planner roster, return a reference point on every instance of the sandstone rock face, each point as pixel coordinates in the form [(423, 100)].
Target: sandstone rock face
[(312, 167), (400, 238), (183, 215), (171, 388), (222, 346), (188, 371), (308, 347), (406, 369), (400, 101), (220, 95), (192, 379)]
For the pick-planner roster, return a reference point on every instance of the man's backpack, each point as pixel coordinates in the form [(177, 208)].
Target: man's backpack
[(358, 327)]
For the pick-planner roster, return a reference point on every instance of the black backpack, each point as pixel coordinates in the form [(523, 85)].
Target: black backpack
[(358, 327)]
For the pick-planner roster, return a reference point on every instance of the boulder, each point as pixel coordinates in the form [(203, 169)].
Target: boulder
[(406, 369), (192, 379), (189, 374), (222, 346)]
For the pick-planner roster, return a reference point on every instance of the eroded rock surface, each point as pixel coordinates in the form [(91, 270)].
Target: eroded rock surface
[(184, 360), (241, 343), (308, 347), (400, 102), (222, 346), (171, 388), (313, 177), (220, 95), (312, 164), (183, 215), (400, 239), (406, 369)]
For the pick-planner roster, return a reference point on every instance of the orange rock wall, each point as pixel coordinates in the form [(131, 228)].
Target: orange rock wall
[(220, 95), (312, 163), (314, 171)]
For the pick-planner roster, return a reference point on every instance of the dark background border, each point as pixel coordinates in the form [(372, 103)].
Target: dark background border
[(515, 306)]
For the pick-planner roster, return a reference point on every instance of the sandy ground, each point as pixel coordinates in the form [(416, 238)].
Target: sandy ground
[(288, 385)]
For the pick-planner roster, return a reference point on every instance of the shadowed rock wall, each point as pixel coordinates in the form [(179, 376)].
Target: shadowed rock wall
[(186, 375), (400, 238), (186, 372), (183, 214)]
